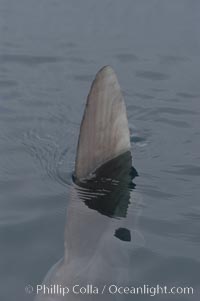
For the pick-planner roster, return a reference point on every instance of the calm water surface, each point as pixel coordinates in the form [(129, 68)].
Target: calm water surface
[(49, 53)]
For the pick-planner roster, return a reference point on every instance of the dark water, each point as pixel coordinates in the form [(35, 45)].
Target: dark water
[(49, 53)]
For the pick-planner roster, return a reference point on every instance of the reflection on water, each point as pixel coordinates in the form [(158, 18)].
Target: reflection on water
[(108, 192)]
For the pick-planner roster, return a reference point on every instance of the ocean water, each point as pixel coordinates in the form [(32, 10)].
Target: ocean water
[(50, 52)]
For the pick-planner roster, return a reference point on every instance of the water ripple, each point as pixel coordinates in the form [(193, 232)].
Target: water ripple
[(7, 83), (172, 59), (181, 269), (83, 78), (50, 155), (187, 95), (127, 58), (189, 170), (29, 60), (180, 229), (144, 96), (152, 75), (176, 123)]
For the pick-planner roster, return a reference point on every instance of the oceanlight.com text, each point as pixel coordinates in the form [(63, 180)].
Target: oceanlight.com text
[(112, 289)]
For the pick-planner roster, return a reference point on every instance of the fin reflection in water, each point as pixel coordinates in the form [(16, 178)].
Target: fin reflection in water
[(108, 191)]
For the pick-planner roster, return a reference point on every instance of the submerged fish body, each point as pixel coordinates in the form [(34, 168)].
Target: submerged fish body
[(100, 225)]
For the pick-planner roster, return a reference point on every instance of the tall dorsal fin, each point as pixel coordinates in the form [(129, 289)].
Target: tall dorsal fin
[(104, 132)]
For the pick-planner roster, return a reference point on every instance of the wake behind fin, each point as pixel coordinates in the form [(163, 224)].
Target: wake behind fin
[(104, 132)]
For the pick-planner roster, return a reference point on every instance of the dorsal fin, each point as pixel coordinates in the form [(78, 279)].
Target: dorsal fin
[(104, 132)]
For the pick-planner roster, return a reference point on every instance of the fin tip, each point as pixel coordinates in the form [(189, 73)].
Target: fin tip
[(105, 71)]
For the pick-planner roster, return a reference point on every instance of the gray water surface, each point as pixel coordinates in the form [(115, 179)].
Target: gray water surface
[(49, 54)]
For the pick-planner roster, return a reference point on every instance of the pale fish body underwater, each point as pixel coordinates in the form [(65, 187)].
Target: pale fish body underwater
[(100, 233)]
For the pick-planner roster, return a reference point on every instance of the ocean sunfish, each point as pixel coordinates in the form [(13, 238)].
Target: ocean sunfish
[(99, 232)]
